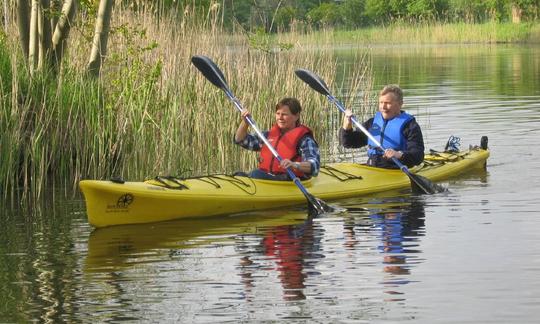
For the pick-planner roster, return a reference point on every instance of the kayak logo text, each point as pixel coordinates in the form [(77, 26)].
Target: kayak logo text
[(121, 204)]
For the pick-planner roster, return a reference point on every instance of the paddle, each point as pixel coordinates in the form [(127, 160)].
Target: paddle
[(419, 184), (212, 72)]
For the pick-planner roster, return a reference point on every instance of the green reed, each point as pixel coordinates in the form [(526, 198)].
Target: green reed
[(151, 112)]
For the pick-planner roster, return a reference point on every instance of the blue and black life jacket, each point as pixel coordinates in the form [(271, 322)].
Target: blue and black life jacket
[(389, 133)]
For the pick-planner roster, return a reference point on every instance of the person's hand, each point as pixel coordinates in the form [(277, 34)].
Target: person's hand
[(390, 153), (347, 122), (245, 113), (241, 131), (286, 163)]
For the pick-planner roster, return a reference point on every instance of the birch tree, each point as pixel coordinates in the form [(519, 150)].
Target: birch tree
[(43, 33), (44, 27), (101, 36)]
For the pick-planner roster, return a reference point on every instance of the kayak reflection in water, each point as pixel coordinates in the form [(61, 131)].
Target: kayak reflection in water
[(293, 141)]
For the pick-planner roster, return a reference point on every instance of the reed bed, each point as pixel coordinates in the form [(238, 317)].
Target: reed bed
[(431, 33), (151, 112)]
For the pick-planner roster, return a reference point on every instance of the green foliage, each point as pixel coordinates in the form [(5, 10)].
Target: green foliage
[(327, 14), (469, 11), (6, 122), (238, 11), (278, 15), (128, 69), (498, 10), (266, 42), (5, 68), (426, 10), (398, 8), (284, 17), (377, 11), (530, 8), (89, 5), (44, 118), (353, 13)]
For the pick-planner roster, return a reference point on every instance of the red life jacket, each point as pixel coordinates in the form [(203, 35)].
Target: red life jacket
[(286, 145)]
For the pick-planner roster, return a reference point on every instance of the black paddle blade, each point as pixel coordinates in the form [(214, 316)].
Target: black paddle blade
[(313, 80), (210, 70), (421, 185), (317, 206)]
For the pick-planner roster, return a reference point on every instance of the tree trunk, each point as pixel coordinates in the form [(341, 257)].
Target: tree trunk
[(56, 6), (45, 34), (40, 49), (517, 12), (23, 21), (33, 49), (6, 15), (61, 30), (101, 36), (36, 22)]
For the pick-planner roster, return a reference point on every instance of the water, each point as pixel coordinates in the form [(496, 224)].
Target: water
[(468, 256)]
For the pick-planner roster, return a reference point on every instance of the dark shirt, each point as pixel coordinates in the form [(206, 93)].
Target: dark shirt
[(413, 155)]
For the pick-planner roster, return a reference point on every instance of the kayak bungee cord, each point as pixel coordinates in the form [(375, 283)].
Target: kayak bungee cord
[(177, 185), (172, 182), (338, 174)]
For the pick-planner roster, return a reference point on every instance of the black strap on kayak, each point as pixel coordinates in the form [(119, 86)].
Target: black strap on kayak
[(235, 181), (166, 182), (338, 174), (238, 182), (208, 179), (448, 156), (172, 182)]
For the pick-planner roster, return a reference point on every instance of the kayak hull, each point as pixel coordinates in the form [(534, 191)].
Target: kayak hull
[(109, 203)]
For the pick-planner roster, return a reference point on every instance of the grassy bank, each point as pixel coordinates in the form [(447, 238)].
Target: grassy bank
[(151, 112), (428, 34)]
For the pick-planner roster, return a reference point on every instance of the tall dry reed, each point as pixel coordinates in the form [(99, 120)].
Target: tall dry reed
[(152, 112)]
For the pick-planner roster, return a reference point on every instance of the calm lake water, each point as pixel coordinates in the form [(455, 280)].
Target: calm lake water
[(471, 255)]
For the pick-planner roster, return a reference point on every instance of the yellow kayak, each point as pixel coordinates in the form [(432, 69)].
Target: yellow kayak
[(167, 198)]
